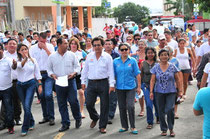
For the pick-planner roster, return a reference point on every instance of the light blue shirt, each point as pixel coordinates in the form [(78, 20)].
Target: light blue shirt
[(165, 81), (175, 62), (125, 73), (154, 43), (202, 103)]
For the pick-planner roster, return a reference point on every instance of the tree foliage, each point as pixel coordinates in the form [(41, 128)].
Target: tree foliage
[(204, 5), (177, 6), (137, 13), (102, 10)]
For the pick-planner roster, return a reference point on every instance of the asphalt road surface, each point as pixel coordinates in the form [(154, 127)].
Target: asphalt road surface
[(187, 126)]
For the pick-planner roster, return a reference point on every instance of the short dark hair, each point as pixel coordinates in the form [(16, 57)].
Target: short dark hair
[(98, 39), (167, 32), (36, 33), (58, 32), (84, 34), (154, 51), (66, 35), (114, 41), (124, 44), (150, 25), (205, 30), (6, 32), (11, 39), (163, 50), (1, 46), (43, 35), (29, 36), (85, 28), (60, 40), (136, 35), (48, 31), (20, 33), (198, 41)]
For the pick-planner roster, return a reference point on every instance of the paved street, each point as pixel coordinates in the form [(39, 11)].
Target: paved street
[(187, 127)]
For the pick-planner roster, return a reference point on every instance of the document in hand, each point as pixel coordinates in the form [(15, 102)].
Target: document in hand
[(62, 81)]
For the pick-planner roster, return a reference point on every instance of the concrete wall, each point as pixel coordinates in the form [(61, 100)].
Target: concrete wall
[(99, 24)]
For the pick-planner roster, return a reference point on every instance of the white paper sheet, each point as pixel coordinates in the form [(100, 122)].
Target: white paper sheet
[(62, 81)]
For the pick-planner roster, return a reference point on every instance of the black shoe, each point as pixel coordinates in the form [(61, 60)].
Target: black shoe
[(18, 122), (78, 123), (109, 122), (51, 122), (44, 121), (2, 126), (63, 128)]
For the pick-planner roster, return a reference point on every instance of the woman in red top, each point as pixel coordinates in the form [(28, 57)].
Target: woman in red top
[(141, 54)]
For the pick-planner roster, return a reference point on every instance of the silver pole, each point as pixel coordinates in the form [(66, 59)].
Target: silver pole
[(58, 17)]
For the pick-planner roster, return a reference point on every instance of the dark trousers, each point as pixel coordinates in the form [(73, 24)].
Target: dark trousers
[(26, 93), (101, 89), (166, 103), (2, 114), (6, 97), (126, 103), (16, 101), (46, 97), (68, 94), (112, 104)]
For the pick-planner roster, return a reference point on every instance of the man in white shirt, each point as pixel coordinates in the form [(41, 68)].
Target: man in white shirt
[(12, 53), (65, 64), (172, 43), (6, 66), (139, 30), (48, 32), (100, 74), (204, 48), (22, 39), (41, 52), (69, 31)]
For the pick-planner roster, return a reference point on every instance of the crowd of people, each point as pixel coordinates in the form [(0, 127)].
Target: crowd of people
[(125, 66)]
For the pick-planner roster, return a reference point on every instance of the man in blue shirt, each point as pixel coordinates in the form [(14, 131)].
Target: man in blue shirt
[(75, 29), (201, 106)]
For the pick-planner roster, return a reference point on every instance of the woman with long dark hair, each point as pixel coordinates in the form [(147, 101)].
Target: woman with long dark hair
[(27, 74), (149, 63)]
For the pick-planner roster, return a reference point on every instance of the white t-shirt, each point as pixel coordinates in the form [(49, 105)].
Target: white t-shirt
[(207, 71), (204, 48), (173, 44), (197, 50)]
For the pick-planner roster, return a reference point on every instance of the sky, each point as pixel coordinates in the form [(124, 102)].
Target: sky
[(154, 5)]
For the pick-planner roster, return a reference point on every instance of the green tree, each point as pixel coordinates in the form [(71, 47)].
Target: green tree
[(137, 13), (177, 6), (204, 5), (102, 10)]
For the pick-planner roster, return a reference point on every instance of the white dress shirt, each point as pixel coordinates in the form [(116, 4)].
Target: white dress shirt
[(41, 55), (5, 73), (12, 56), (204, 48), (29, 71), (98, 69), (63, 65)]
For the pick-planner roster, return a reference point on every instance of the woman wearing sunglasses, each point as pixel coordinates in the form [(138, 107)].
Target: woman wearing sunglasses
[(126, 71)]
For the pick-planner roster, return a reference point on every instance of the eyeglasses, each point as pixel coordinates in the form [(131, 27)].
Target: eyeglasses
[(96, 45), (138, 39), (129, 39), (149, 35), (124, 50)]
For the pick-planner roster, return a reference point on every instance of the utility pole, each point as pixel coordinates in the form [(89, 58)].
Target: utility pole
[(58, 6), (12, 14), (58, 17), (182, 7)]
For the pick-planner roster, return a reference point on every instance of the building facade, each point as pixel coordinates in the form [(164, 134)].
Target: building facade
[(77, 12)]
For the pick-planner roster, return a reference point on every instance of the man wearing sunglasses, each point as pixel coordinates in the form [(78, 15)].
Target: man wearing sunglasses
[(134, 47), (151, 42), (100, 74)]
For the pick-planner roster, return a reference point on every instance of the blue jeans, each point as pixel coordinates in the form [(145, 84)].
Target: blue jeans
[(112, 104), (68, 94), (47, 97), (149, 104), (26, 94), (6, 97)]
